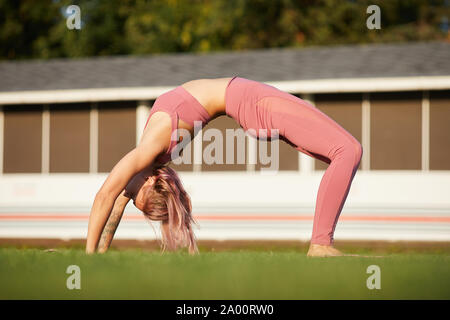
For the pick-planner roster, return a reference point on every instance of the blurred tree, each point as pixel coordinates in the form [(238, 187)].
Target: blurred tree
[(37, 29), (22, 24)]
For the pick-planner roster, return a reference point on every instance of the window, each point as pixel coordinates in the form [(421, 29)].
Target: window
[(440, 130), (22, 139), (69, 137), (395, 131), (116, 132)]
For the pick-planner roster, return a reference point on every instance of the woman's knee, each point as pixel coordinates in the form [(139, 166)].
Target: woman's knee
[(351, 150), (355, 151)]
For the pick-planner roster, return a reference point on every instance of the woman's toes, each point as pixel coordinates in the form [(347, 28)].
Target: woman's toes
[(316, 250)]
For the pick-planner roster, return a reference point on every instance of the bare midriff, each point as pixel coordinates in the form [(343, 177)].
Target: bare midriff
[(210, 93)]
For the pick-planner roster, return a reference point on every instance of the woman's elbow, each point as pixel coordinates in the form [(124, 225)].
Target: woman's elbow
[(101, 196)]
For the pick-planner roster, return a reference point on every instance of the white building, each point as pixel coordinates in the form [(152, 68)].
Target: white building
[(65, 123)]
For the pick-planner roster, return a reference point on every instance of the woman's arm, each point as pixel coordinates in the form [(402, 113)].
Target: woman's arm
[(113, 222), (135, 161), (106, 196)]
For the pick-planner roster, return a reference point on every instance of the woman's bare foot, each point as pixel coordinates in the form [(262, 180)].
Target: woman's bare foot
[(317, 250)]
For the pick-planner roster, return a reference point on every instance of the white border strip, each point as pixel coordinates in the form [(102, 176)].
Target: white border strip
[(425, 131), (306, 163), (300, 86), (252, 153), (45, 149), (365, 164), (93, 139), (365, 84), (142, 112), (82, 95), (2, 134), (197, 149)]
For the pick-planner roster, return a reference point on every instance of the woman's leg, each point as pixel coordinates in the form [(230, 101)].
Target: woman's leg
[(317, 135)]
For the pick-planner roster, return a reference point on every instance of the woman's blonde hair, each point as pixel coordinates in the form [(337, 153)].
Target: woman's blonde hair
[(167, 201)]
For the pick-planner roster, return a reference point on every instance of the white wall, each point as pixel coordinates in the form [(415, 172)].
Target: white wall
[(409, 192), (57, 206)]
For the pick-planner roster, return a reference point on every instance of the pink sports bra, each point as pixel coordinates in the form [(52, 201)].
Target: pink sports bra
[(179, 104)]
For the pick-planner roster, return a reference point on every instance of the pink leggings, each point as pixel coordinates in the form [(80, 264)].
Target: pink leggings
[(310, 131), (314, 133)]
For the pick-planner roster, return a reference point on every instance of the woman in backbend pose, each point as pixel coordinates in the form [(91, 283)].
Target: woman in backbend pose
[(157, 191)]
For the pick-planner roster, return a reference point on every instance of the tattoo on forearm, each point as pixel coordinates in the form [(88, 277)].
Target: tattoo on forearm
[(109, 230)]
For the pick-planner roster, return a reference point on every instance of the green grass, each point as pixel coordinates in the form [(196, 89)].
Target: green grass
[(245, 274)]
